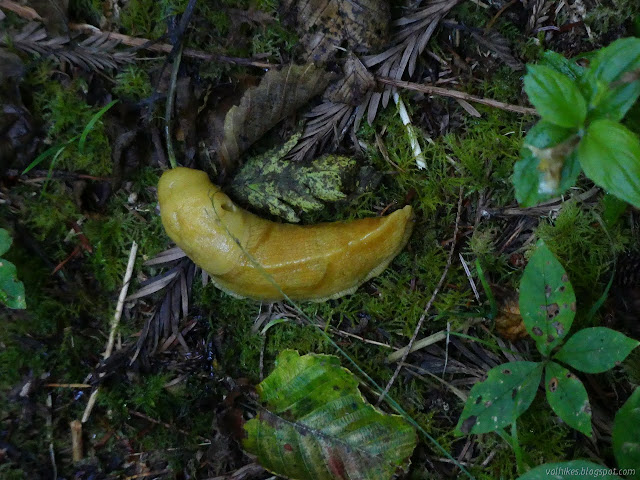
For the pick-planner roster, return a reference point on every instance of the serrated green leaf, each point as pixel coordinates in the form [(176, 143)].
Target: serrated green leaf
[(568, 397), (596, 349), (608, 100), (315, 424), (562, 65), (5, 241), (615, 101), (610, 156), (548, 164), (498, 401), (573, 470), (555, 96), (11, 289), (547, 301), (611, 62), (626, 438)]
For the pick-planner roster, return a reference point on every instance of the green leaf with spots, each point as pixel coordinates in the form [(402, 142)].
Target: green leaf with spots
[(610, 156), (547, 301), (573, 470), (498, 401), (568, 397), (315, 424), (11, 289), (555, 96), (626, 440), (596, 350)]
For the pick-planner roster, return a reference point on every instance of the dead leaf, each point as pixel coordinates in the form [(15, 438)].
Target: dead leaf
[(279, 94), (353, 87), (509, 323), (328, 25), (499, 45)]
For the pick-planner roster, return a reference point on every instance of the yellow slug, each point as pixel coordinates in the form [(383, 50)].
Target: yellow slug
[(312, 262)]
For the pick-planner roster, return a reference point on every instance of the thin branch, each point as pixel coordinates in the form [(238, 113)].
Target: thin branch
[(114, 325), (429, 303), (147, 44), (446, 92), (31, 14)]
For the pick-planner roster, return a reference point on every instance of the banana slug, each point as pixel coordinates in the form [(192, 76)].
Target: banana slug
[(311, 262)]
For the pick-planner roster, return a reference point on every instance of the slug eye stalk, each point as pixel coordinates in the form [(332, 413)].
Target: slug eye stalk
[(311, 262)]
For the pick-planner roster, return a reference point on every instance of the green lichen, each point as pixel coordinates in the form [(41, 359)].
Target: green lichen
[(280, 187)]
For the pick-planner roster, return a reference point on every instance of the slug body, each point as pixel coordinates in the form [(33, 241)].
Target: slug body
[(312, 262)]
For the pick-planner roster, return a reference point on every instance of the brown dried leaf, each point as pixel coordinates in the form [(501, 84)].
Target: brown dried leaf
[(279, 94), (500, 46), (509, 323), (328, 25)]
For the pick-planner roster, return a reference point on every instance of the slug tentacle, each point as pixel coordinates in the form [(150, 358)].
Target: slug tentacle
[(313, 262)]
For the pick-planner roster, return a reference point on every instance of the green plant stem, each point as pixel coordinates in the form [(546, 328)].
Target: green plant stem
[(169, 108), (515, 443)]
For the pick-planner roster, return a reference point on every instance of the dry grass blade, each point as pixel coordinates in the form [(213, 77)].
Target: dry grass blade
[(167, 256), (97, 52)]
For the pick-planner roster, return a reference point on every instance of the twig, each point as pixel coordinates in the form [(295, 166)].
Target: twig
[(123, 294), (446, 92), (52, 452), (142, 43), (114, 325), (76, 440), (166, 425), (68, 385), (169, 107), (428, 306)]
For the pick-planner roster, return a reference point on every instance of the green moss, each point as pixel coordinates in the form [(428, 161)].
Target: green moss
[(133, 82), (585, 250), (66, 114), (610, 15), (147, 18), (112, 235)]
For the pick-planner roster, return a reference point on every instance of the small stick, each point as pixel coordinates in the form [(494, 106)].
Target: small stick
[(76, 440), (429, 303), (446, 92), (123, 294), (114, 325), (68, 385)]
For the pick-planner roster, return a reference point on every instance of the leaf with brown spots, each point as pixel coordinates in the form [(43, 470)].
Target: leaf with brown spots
[(568, 397), (596, 350), (547, 301), (316, 425), (498, 401)]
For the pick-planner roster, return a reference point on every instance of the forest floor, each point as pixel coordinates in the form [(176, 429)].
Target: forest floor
[(99, 121)]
